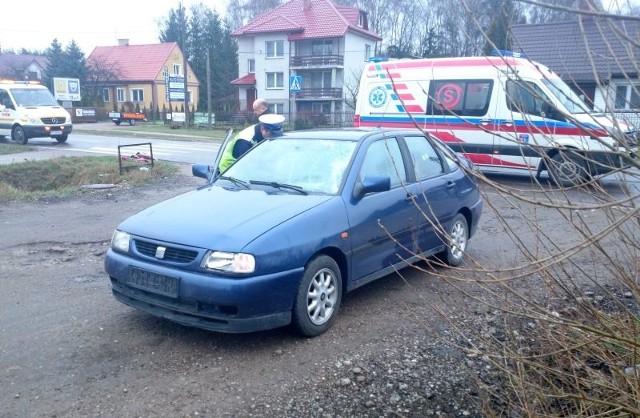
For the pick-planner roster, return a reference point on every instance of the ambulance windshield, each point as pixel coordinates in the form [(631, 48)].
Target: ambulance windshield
[(33, 97), (567, 97)]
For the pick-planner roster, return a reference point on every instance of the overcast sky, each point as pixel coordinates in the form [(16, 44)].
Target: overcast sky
[(33, 24)]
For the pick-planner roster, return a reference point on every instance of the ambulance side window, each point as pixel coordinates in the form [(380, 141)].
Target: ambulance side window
[(526, 97), (5, 100), (459, 97)]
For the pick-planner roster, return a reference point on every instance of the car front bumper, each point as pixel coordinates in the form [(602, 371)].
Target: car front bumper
[(48, 130), (224, 304)]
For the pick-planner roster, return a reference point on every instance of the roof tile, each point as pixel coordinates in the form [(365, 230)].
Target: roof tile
[(135, 62), (307, 19)]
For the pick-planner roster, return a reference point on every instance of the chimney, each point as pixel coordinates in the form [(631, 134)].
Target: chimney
[(123, 42)]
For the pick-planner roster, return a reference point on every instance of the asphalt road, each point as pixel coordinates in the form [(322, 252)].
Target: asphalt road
[(94, 139)]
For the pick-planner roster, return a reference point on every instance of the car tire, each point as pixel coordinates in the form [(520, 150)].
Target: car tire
[(18, 135), (62, 138), (457, 240), (567, 169), (318, 298)]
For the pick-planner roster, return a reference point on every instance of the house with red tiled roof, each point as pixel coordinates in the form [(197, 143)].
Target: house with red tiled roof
[(145, 75), (303, 56)]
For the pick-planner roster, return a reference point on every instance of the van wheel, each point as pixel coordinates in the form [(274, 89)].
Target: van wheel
[(62, 138), (318, 298), (18, 135), (567, 169)]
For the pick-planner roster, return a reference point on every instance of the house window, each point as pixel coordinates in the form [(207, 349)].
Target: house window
[(106, 96), (137, 95), (628, 97), (177, 69), (275, 80), (190, 96), (252, 66), (276, 108), (275, 49), (321, 80), (321, 107), (323, 47), (120, 95), (367, 52)]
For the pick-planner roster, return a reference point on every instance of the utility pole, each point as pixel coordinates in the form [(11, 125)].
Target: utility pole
[(183, 35), (208, 90)]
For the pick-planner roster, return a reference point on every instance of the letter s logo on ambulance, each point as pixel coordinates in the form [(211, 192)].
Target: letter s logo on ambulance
[(449, 95), (377, 97)]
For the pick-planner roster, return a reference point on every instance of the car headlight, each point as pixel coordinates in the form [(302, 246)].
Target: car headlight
[(229, 262), (120, 241)]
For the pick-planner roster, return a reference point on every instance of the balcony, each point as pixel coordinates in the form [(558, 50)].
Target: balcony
[(317, 61), (333, 93)]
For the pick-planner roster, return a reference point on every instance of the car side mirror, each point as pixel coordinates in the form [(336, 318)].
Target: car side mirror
[(372, 184), (201, 170)]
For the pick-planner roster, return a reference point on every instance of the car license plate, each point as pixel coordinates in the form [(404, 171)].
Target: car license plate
[(153, 282), (54, 133)]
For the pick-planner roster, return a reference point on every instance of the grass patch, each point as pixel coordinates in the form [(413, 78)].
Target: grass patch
[(6, 149), (141, 129), (63, 176)]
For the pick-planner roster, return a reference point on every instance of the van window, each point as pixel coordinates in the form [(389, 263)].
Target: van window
[(459, 97), (528, 98), (5, 100)]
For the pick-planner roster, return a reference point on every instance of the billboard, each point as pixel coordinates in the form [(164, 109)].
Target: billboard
[(66, 89)]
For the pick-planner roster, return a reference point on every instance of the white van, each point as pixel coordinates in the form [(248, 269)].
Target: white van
[(505, 114), (29, 110)]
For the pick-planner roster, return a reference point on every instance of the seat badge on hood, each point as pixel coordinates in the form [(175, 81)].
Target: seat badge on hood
[(160, 252)]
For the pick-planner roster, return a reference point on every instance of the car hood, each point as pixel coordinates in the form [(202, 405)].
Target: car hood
[(217, 218)]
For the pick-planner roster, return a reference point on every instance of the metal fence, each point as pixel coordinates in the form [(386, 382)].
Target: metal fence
[(630, 117)]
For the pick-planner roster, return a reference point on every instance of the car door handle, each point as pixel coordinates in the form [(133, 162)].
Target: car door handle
[(410, 197), (451, 185)]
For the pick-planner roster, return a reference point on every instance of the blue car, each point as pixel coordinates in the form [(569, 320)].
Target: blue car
[(294, 224)]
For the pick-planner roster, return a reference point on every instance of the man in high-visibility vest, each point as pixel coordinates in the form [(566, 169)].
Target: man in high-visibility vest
[(270, 126)]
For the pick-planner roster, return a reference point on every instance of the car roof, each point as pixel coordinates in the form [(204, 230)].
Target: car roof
[(346, 134)]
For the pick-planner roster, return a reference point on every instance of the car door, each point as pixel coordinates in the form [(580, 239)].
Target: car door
[(382, 223), (434, 192)]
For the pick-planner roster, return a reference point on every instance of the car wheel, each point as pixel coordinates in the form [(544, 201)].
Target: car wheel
[(318, 298), (457, 241), (567, 168), (18, 135), (62, 138)]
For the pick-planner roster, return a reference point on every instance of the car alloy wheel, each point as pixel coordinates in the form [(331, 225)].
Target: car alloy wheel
[(318, 297)]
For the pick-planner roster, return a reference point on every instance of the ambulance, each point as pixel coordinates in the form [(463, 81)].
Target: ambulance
[(29, 110), (505, 113)]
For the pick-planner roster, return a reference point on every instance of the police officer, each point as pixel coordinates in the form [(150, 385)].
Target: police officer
[(270, 126)]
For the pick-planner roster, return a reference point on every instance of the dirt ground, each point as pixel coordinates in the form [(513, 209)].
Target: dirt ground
[(68, 349)]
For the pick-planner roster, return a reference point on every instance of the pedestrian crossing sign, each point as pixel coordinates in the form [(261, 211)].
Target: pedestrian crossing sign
[(295, 83)]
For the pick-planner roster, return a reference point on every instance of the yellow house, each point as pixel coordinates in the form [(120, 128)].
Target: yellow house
[(145, 75)]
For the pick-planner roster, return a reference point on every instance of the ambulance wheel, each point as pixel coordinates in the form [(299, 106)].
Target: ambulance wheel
[(567, 169), (18, 135), (62, 138)]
